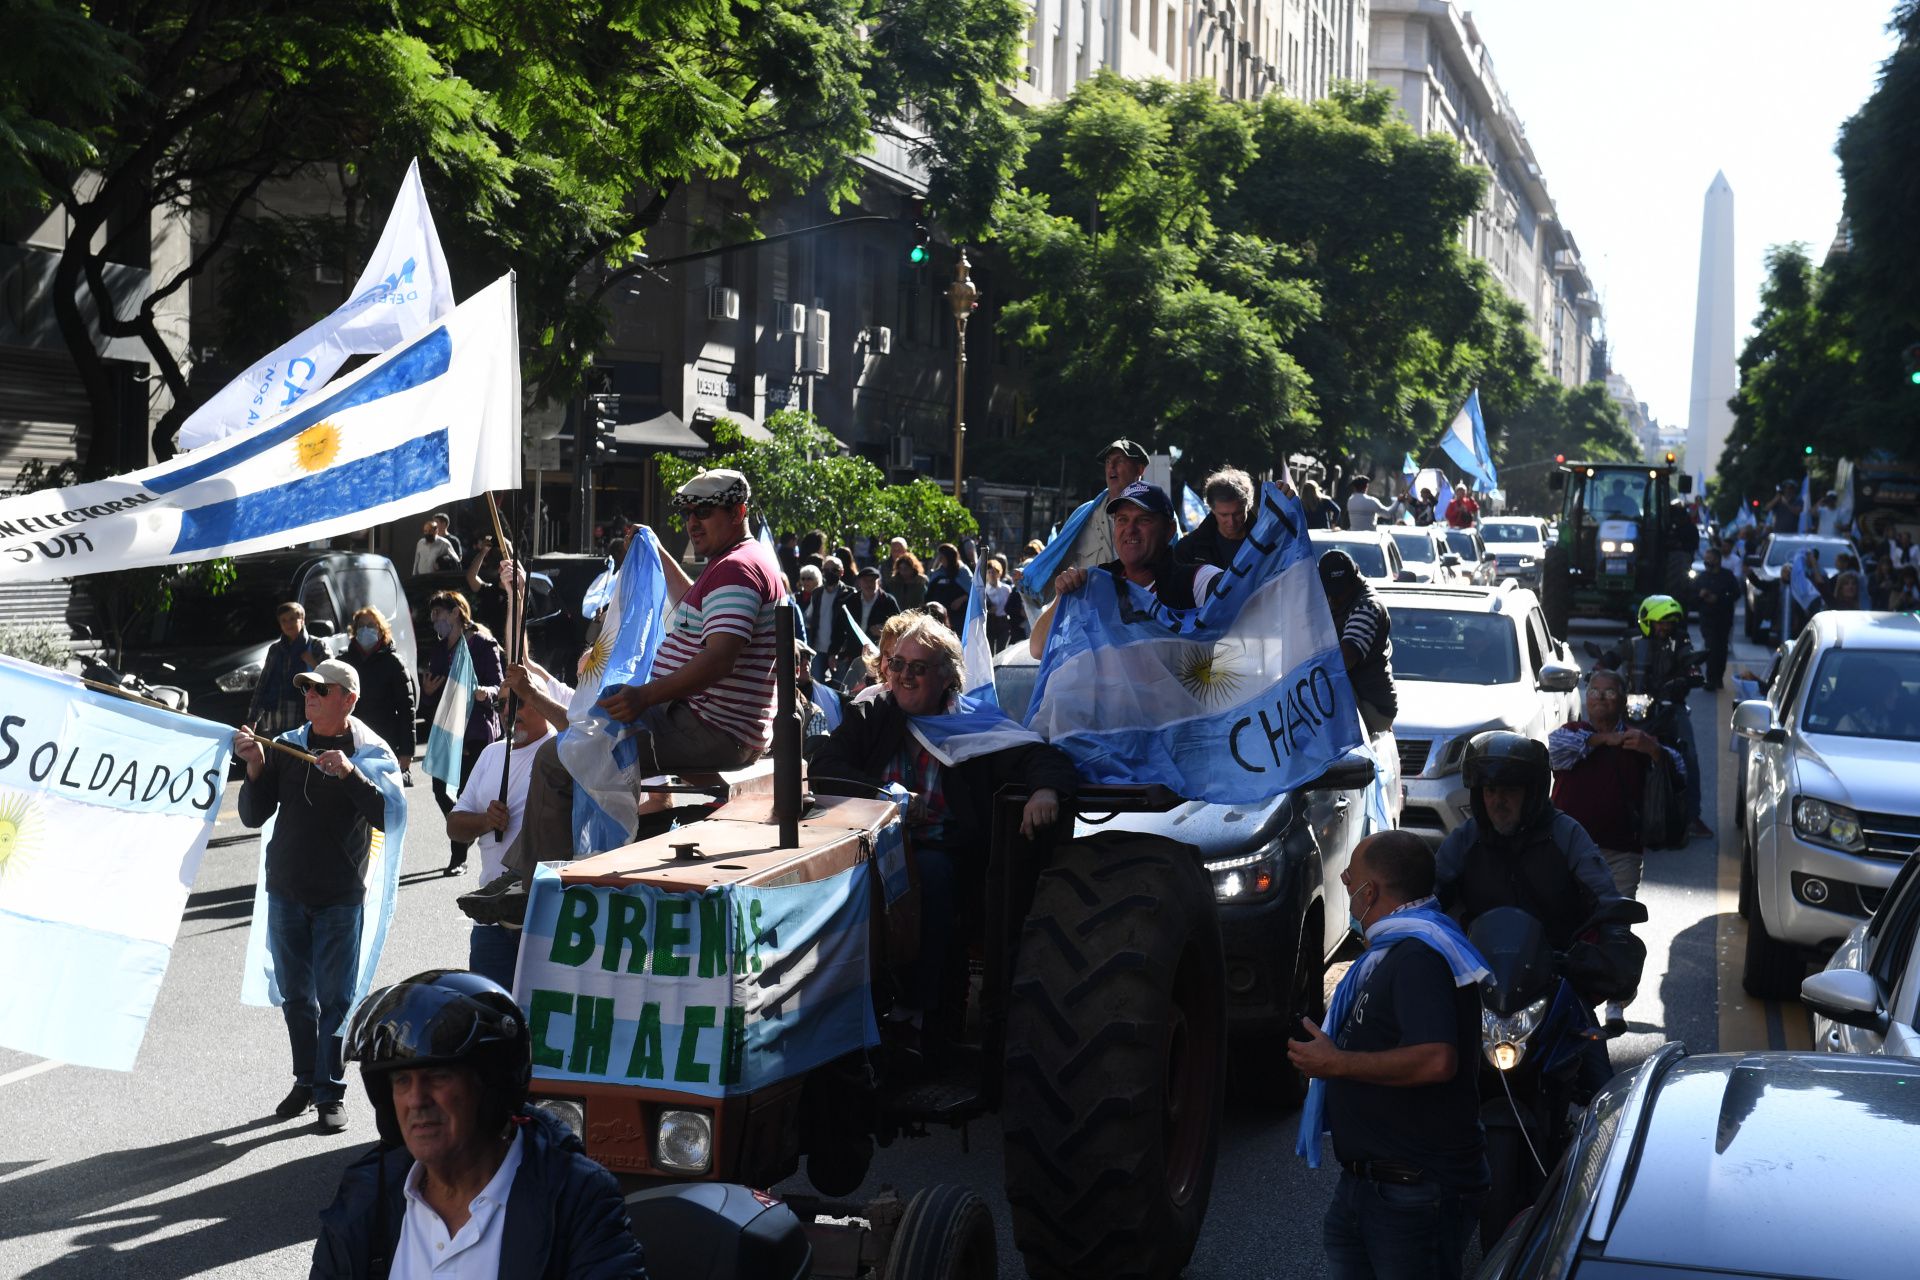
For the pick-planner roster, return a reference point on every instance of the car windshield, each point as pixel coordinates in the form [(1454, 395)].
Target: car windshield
[(1462, 543), (1454, 648), (1864, 693), (1415, 546), (240, 615), (1784, 550), (1371, 558), (1508, 531)]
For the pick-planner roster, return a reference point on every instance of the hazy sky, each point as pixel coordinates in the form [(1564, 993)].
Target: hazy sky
[(1631, 105)]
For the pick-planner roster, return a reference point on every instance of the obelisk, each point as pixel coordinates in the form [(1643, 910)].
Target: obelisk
[(1709, 418)]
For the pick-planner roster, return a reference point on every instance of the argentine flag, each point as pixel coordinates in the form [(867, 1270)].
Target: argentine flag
[(430, 422), (447, 739), (597, 751), (1192, 510), (1047, 565), (404, 289), (1465, 442), (1232, 703), (976, 651)]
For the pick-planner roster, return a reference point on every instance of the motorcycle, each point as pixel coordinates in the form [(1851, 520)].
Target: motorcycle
[(719, 1231), (167, 695), (1542, 1055)]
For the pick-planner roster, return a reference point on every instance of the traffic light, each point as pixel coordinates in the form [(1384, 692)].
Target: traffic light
[(605, 407), (1671, 456), (1560, 458), (1912, 355), (921, 250), (1808, 450)]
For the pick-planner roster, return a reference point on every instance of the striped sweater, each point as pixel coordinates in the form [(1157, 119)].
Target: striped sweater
[(734, 595)]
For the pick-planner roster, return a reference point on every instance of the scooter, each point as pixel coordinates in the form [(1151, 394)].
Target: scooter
[(172, 696), (718, 1231), (1542, 1056)]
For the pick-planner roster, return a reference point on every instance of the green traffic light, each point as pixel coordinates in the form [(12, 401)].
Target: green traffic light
[(1808, 451), (917, 255), (1914, 377)]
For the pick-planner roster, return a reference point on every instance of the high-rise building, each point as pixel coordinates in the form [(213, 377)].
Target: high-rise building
[(1709, 416)]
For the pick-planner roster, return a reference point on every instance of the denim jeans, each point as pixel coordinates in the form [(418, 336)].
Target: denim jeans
[(316, 957), (492, 951), (1387, 1231)]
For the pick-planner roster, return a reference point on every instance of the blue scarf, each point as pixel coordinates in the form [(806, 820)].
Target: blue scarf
[(1422, 921)]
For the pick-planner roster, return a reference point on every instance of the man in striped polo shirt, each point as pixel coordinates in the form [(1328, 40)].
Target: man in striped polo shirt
[(709, 703)]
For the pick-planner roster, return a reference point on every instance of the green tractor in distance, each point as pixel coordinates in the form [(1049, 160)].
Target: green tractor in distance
[(1615, 542)]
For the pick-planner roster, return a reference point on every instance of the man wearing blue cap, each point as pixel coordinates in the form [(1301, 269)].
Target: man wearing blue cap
[(1143, 543)]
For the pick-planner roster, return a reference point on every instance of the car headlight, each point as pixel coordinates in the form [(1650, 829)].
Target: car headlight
[(1242, 879), (1609, 546), (571, 1112), (1504, 1040), (240, 679), (684, 1142), (1827, 823), (1626, 546)]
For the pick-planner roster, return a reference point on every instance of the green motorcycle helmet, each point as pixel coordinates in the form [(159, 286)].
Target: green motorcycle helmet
[(1658, 608)]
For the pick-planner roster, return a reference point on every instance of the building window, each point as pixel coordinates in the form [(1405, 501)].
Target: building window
[(1133, 19), (1153, 29), (1173, 38)]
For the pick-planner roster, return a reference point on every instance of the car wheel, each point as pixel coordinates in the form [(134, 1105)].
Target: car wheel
[(1773, 968)]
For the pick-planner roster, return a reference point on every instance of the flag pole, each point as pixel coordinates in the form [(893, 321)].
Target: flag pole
[(516, 646), (131, 696)]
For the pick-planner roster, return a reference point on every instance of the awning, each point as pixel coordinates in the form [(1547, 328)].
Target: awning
[(665, 433), (749, 425)]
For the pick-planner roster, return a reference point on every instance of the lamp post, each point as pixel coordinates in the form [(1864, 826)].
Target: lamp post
[(963, 297)]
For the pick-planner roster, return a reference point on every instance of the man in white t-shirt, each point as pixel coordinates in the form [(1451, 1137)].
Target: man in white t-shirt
[(1364, 511), (479, 815)]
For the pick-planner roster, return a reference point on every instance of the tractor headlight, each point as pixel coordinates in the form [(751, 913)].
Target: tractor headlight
[(684, 1142), (571, 1112), (1609, 546), (1504, 1040)]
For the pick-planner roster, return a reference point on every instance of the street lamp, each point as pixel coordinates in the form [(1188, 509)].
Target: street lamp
[(964, 298)]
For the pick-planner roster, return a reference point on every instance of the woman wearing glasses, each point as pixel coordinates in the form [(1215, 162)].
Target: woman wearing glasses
[(949, 820)]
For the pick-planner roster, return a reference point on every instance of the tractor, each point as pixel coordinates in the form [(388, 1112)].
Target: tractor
[(1616, 540)]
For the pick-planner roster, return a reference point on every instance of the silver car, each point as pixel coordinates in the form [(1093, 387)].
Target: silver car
[(1373, 550), (1466, 660), (1865, 1000), (1831, 789), (1426, 555), (1518, 545)]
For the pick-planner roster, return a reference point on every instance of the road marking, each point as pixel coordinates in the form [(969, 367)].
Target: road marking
[(27, 1073), (1745, 1023)]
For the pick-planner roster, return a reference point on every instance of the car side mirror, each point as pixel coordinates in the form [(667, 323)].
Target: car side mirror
[(1754, 719), (1406, 575), (1557, 481), (1686, 483), (1349, 774), (1557, 677), (319, 628), (1450, 560), (1847, 996)]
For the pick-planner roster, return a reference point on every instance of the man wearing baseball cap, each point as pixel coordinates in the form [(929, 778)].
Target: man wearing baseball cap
[(1142, 517), (1122, 463), (316, 871), (1363, 626)]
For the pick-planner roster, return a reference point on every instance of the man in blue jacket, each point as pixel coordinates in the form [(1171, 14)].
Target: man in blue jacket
[(462, 1166)]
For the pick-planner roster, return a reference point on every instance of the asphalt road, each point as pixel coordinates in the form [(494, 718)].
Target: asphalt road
[(179, 1169)]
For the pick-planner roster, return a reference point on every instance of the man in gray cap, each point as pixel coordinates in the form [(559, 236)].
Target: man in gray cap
[(1122, 463), (709, 702), (316, 875)]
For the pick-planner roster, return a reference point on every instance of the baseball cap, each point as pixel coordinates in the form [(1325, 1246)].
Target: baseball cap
[(1337, 570), (331, 671), (1150, 497), (1125, 446), (722, 485)]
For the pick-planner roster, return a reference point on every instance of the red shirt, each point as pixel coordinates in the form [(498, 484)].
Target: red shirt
[(1461, 511)]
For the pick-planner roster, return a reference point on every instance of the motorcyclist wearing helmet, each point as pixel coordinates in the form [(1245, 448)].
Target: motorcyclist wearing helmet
[(1662, 663), (1517, 850), (462, 1167)]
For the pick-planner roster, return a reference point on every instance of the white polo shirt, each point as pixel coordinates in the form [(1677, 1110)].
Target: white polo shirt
[(471, 1253), (483, 785)]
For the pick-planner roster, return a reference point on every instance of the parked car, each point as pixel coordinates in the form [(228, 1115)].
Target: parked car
[(1763, 576), (1374, 551), (1730, 1165), (1832, 809), (1276, 879), (1424, 553), (1518, 545), (1474, 560), (1864, 1000), (214, 645), (1466, 660)]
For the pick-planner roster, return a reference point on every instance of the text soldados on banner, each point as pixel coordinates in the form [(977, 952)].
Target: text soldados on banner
[(405, 288), (425, 425)]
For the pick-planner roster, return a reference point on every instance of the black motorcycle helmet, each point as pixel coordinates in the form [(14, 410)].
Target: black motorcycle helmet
[(443, 1017), (1508, 759)]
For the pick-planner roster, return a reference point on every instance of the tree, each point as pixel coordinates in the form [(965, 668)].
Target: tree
[(552, 135), (805, 480), (1582, 422)]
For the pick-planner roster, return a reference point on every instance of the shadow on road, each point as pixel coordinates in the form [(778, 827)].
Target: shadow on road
[(1693, 969), (220, 904), (91, 1202)]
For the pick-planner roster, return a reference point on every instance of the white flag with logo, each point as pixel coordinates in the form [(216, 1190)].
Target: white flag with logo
[(404, 289)]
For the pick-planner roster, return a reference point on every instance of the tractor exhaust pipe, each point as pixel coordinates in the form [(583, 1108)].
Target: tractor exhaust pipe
[(787, 799)]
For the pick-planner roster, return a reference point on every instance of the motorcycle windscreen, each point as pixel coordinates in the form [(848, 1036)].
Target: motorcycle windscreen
[(1520, 965)]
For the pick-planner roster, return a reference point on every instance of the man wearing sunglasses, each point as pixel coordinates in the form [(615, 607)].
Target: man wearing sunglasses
[(709, 703), (316, 875)]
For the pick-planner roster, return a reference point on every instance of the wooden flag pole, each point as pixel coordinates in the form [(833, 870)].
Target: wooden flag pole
[(516, 645), (131, 696)]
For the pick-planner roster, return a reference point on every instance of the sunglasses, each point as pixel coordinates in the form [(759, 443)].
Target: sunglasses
[(319, 690), (697, 510), (917, 669)]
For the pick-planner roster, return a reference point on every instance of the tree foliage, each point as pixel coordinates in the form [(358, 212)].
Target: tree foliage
[(804, 480), (1584, 422), (552, 135)]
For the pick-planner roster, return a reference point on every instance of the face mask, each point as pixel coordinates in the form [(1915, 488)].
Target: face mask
[(443, 627), (1353, 924), (367, 636)]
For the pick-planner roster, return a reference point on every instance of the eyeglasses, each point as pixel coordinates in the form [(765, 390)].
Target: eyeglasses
[(917, 669)]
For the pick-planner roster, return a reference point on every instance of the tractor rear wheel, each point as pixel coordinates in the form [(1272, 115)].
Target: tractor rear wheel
[(1115, 1061)]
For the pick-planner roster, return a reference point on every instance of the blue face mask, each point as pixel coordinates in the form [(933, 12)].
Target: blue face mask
[(369, 637), (443, 627), (1353, 921)]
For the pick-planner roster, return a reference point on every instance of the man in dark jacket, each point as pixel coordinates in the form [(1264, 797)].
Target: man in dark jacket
[(1143, 535), (1714, 593), (462, 1166), (1228, 494)]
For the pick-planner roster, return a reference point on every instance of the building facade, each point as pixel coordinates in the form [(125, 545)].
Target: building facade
[(1430, 54)]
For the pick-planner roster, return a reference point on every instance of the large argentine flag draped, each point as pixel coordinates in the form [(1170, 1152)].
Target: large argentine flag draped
[(426, 424), (745, 986), (1466, 443), (105, 809), (601, 758), (1232, 702), (447, 739), (404, 289), (372, 757), (1047, 565)]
